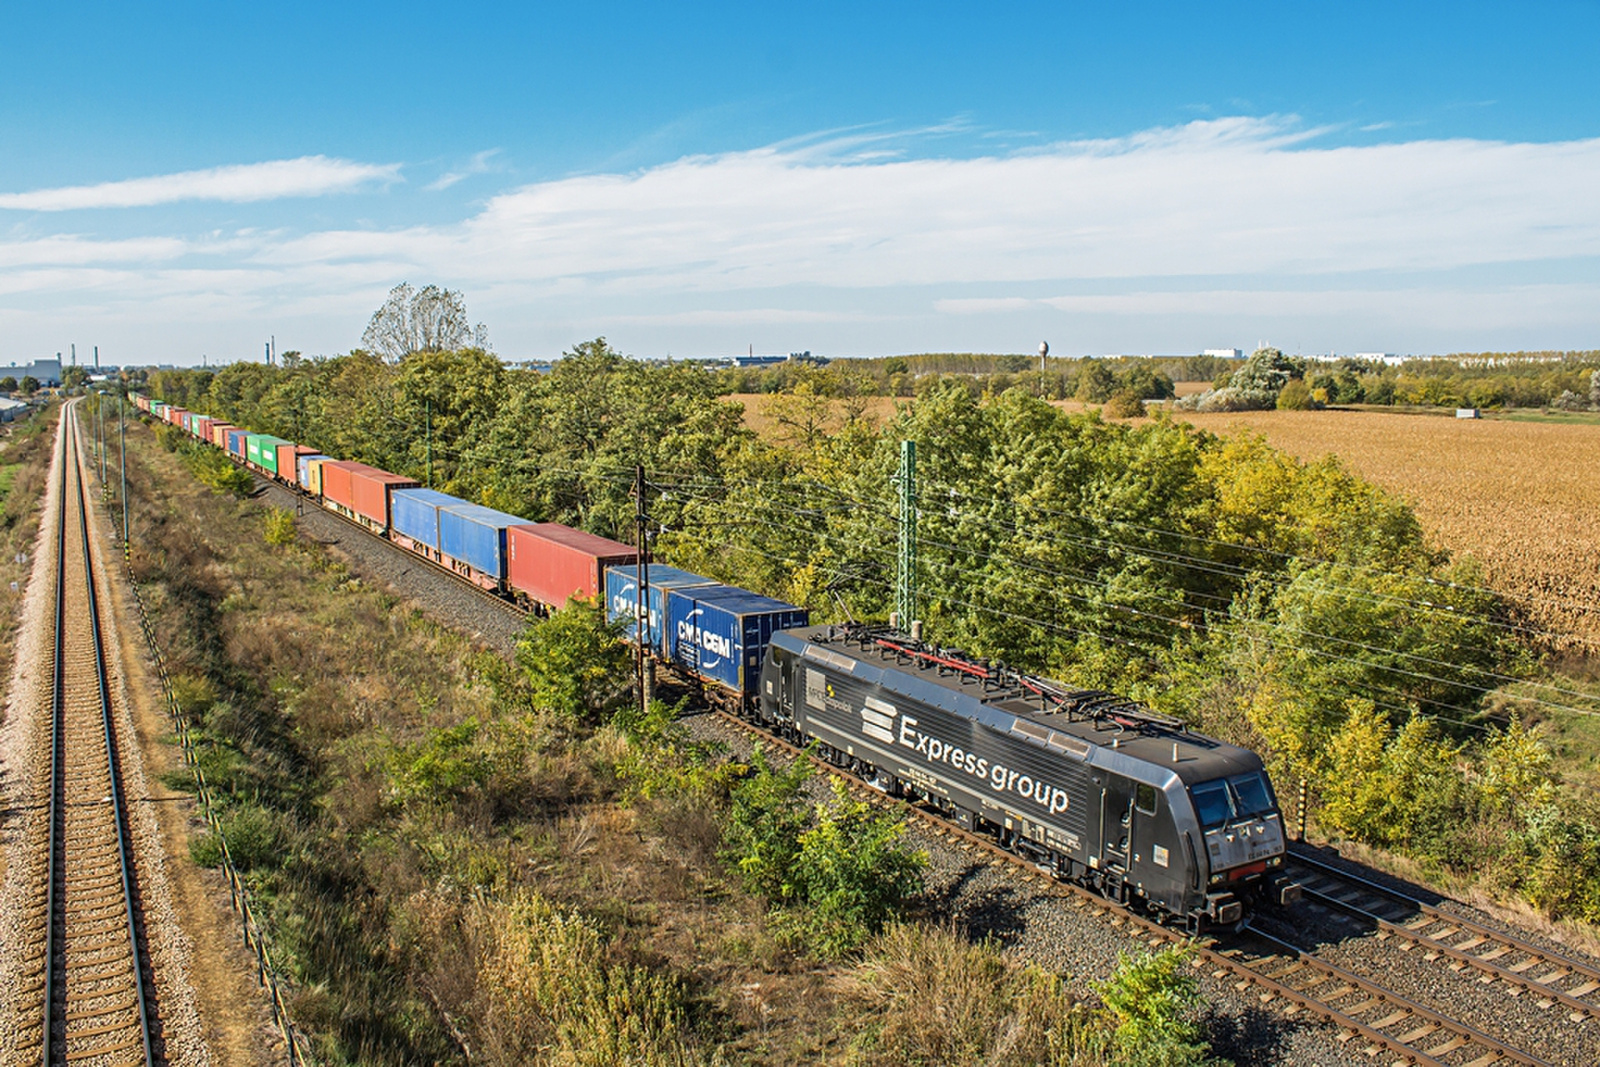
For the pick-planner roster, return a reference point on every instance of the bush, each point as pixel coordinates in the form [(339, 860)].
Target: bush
[(575, 664), (1229, 399), (833, 874), (1296, 396), (553, 993), (1153, 999), (1125, 404), (280, 529)]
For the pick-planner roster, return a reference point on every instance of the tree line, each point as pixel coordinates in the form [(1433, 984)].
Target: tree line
[(1290, 606)]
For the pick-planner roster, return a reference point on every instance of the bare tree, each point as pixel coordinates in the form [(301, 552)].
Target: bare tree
[(429, 319)]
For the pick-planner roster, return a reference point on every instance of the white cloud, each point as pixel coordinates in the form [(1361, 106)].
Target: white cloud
[(818, 233), (306, 176), (480, 163)]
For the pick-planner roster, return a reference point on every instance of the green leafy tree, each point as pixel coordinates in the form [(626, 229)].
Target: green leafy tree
[(8, 384), (28, 385), (1096, 383)]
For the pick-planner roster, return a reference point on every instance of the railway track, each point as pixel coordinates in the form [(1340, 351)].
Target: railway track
[(1388, 1024), (90, 970), (1387, 1027), (1523, 968)]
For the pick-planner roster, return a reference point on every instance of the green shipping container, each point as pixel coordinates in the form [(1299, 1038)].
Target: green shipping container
[(262, 450)]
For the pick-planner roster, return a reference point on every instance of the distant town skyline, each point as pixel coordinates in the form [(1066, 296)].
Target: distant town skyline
[(849, 180)]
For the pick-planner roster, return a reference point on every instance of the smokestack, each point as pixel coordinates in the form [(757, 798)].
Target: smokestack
[(96, 357), (74, 354)]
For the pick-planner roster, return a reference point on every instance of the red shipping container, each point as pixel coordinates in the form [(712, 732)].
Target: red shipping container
[(175, 415), (362, 489), (552, 563), (288, 455)]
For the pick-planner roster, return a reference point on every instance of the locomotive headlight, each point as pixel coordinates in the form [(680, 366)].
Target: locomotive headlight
[(1215, 878), (1275, 861)]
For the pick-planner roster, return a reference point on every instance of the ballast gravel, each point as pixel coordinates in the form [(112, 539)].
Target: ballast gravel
[(1037, 921)]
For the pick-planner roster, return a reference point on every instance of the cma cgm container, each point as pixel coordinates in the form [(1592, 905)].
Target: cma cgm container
[(414, 517), (288, 467), (361, 492), (622, 597), (236, 443), (262, 450), (473, 538), (720, 633), (302, 469), (551, 564)]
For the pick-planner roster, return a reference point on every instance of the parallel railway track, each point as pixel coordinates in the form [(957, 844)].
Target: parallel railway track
[(90, 967), (1552, 979)]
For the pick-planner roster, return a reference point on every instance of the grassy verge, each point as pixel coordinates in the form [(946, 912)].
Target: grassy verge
[(25, 451), (465, 858)]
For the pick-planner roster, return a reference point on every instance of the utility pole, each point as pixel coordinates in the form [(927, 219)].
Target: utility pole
[(122, 432), (905, 593), (642, 535), (427, 422), (100, 416)]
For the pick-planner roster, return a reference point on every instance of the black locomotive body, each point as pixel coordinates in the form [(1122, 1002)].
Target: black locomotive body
[(1095, 787)]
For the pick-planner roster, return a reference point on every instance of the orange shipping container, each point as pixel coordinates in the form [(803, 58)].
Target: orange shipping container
[(362, 489)]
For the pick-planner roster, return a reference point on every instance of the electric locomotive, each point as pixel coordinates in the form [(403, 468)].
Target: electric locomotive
[(1093, 787)]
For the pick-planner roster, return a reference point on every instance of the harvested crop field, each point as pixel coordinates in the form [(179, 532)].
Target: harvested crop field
[(1521, 497)]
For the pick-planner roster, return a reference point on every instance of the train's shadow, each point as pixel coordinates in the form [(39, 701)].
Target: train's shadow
[(981, 911)]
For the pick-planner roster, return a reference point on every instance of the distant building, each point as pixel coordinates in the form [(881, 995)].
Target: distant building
[(1382, 357), (43, 371), (1224, 353)]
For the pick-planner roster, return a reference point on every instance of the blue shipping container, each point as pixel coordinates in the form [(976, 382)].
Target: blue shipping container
[(415, 513), (476, 536), (622, 596), (236, 441), (720, 632), (302, 469)]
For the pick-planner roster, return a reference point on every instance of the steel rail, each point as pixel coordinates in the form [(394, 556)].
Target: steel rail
[(1206, 950), (1482, 934), (72, 488), (1331, 1014)]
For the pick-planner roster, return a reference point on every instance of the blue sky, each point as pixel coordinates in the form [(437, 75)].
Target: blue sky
[(181, 179)]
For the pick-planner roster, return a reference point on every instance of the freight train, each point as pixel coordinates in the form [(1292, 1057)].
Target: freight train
[(1094, 788)]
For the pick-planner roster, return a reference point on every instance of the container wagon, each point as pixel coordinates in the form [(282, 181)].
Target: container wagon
[(720, 633), (361, 493), (288, 468), (622, 599), (549, 564)]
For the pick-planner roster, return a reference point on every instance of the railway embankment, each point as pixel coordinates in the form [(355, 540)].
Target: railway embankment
[(414, 823)]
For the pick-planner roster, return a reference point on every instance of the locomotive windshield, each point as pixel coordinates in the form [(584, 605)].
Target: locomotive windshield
[(1239, 797)]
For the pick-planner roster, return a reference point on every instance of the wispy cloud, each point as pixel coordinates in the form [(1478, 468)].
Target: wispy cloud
[(824, 230), (306, 176), (480, 163)]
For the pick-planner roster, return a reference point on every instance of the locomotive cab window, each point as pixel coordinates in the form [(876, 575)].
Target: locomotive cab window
[(1211, 803), (1144, 798)]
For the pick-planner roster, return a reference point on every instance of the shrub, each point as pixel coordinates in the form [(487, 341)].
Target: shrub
[(575, 664), (834, 874), (1152, 999), (1229, 399), (1125, 404), (280, 529), (928, 995), (1296, 396)]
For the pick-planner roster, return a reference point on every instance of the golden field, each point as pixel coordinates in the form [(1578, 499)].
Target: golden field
[(1523, 498)]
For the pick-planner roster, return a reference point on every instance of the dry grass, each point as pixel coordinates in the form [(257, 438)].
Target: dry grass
[(1521, 497)]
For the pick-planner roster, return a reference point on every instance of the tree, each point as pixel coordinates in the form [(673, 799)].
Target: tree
[(429, 319), (28, 385), (72, 377), (1096, 384), (8, 384), (1594, 389)]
